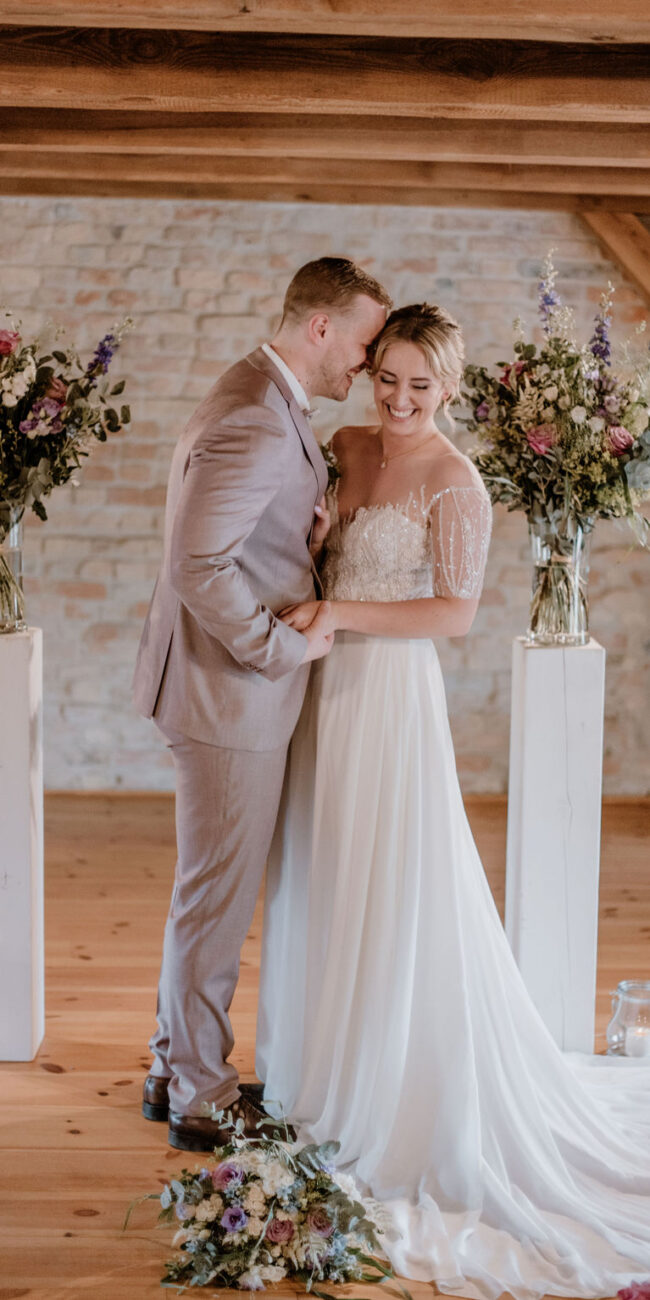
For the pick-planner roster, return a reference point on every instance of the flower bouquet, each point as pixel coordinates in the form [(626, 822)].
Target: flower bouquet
[(51, 407), (263, 1210), (565, 438)]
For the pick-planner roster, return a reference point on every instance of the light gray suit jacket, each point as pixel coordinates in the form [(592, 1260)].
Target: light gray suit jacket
[(214, 662)]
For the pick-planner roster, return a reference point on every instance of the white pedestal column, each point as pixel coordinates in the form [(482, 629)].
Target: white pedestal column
[(554, 809), (22, 998)]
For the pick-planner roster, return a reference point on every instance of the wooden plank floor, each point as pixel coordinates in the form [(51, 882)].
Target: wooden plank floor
[(75, 1149)]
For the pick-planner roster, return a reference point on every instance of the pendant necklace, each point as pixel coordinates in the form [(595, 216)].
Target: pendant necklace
[(409, 451)]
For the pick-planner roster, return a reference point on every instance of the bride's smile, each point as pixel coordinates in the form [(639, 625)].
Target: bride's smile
[(406, 397)]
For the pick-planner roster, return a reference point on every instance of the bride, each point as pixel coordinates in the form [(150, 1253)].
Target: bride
[(392, 1014)]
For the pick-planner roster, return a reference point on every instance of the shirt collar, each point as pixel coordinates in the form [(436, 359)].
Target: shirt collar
[(294, 384)]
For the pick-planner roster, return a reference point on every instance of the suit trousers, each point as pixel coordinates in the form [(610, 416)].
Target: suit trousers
[(227, 803)]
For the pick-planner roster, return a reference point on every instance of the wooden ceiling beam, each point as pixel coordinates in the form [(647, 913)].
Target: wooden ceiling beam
[(403, 139), (197, 71), (317, 193), (627, 241), (547, 20), (362, 173)]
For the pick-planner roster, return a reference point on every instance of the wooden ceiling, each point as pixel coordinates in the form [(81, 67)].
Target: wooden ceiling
[(447, 102)]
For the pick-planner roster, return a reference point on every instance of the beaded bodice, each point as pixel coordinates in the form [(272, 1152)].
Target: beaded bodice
[(428, 546)]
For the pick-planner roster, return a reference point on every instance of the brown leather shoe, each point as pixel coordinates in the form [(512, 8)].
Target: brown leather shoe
[(155, 1098), (254, 1092), (200, 1133)]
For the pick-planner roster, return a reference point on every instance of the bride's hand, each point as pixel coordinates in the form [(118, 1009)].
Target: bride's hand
[(302, 616), (321, 526)]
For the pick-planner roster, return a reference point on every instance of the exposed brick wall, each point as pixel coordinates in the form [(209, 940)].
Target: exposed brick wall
[(205, 282)]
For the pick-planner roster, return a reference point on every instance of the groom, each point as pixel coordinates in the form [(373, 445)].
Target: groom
[(224, 679)]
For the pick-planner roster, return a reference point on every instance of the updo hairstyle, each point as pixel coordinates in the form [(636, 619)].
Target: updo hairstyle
[(438, 337)]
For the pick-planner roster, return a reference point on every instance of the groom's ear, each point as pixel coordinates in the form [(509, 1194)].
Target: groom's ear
[(317, 327)]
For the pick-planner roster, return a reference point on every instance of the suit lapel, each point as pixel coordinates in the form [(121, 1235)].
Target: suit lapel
[(304, 430)]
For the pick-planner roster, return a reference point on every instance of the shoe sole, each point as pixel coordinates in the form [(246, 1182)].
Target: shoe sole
[(159, 1114), (185, 1142)]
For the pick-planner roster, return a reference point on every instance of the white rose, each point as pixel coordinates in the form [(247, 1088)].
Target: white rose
[(256, 1205), (636, 420), (20, 384), (564, 403), (9, 398), (550, 393), (210, 1209), (251, 1281), (275, 1177), (255, 1226), (272, 1272), (578, 414), (596, 423)]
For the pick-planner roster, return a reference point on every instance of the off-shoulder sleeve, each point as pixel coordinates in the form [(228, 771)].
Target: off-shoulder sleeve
[(461, 523)]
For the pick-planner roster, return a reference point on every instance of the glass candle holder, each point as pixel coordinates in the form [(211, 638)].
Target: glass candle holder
[(628, 1032)]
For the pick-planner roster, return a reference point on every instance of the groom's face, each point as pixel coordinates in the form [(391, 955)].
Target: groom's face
[(349, 335)]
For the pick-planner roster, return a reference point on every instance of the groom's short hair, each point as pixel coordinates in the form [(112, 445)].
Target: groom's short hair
[(330, 282)]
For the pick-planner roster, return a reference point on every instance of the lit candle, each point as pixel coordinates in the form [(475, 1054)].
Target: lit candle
[(637, 1040)]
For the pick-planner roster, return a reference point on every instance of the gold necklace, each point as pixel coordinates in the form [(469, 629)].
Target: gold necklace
[(409, 451)]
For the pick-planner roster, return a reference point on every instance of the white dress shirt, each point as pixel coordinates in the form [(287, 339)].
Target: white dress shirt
[(294, 384)]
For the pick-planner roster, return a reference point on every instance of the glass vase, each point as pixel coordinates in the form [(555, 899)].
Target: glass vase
[(12, 598), (628, 1032), (559, 609)]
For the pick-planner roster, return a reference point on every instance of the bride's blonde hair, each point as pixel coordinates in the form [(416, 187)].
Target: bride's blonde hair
[(439, 338)]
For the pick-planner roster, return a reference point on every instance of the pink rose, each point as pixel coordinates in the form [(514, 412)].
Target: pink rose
[(319, 1221), (57, 390), (517, 366), (9, 340), (541, 438), (636, 1291), (225, 1176), (279, 1231), (619, 439)]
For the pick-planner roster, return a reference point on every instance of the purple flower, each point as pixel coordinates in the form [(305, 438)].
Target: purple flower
[(612, 403), (319, 1221), (182, 1211), (104, 353), (599, 344), (49, 406), (225, 1176), (548, 298), (482, 411), (102, 357), (44, 418), (234, 1219), (280, 1231)]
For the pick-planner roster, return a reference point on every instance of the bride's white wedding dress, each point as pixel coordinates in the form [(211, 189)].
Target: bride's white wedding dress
[(392, 1014)]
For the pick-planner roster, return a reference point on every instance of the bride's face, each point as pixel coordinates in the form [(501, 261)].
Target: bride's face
[(407, 395)]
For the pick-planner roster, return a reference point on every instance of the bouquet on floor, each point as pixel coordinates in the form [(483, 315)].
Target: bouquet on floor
[(561, 434), (264, 1210), (51, 407)]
